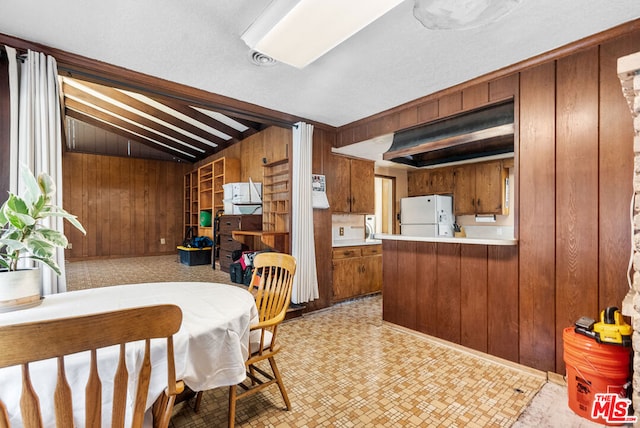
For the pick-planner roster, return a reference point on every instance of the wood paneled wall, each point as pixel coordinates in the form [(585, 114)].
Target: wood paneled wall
[(536, 213), (126, 205), (457, 292), (271, 144), (574, 167), (322, 143), (575, 171), (274, 143)]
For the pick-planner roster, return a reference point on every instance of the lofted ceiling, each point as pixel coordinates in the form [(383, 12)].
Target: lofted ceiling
[(169, 129), (197, 43)]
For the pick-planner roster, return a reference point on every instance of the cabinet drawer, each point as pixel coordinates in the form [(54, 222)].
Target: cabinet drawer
[(229, 223), (225, 260), (346, 252), (371, 250), (228, 243)]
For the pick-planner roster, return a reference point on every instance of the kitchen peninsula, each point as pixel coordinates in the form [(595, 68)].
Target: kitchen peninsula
[(463, 290)]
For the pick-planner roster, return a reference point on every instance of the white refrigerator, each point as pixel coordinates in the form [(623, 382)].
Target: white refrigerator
[(429, 216)]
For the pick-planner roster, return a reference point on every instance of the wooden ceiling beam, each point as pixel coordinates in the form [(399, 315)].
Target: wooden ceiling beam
[(71, 92), (123, 133), (121, 123), (195, 114), (120, 96)]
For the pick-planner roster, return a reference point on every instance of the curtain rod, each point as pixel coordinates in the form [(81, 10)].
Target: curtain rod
[(19, 56)]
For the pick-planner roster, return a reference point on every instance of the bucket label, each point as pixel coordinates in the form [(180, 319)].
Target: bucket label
[(612, 408)]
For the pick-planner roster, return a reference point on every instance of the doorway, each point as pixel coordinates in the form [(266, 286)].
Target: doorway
[(385, 188)]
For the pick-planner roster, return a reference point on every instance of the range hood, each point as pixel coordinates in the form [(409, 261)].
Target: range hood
[(483, 132)]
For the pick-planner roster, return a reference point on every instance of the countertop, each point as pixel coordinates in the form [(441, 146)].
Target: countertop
[(356, 242), (476, 241)]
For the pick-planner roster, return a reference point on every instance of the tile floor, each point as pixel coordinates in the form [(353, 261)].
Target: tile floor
[(344, 367)]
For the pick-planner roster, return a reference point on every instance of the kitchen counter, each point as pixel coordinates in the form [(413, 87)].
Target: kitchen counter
[(465, 294), (356, 242), (475, 241)]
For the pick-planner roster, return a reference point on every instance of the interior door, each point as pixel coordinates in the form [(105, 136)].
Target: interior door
[(385, 206)]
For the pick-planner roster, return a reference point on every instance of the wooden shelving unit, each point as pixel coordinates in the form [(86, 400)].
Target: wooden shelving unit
[(190, 218), (205, 191), (276, 196), (207, 194)]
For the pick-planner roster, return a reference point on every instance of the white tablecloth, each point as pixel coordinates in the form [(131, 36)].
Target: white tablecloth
[(210, 348)]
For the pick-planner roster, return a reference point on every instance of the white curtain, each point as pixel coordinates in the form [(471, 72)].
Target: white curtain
[(36, 135), (305, 281)]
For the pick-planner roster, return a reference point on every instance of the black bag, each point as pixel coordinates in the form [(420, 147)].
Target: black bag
[(235, 255), (235, 273), (246, 276), (201, 242), (189, 237)]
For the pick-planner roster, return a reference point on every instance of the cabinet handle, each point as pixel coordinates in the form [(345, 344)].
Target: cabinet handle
[(473, 202), (353, 201), (478, 202), (363, 269)]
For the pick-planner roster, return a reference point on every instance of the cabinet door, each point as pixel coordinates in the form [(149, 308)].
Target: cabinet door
[(340, 184), (489, 185), (345, 278), (371, 274), (362, 186), (464, 190), (441, 180), (418, 183)]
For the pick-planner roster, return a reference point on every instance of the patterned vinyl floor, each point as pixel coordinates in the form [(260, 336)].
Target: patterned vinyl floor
[(344, 367)]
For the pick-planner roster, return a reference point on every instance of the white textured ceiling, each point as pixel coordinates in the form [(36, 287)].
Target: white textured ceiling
[(394, 60)]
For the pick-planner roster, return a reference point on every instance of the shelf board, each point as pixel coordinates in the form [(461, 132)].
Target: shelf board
[(278, 162)]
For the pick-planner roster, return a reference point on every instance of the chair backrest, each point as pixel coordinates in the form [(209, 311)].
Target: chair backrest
[(272, 282), (35, 341)]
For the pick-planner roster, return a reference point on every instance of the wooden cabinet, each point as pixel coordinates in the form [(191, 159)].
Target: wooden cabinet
[(352, 185), (229, 223), (441, 180), (211, 177), (480, 188), (357, 271), (430, 181)]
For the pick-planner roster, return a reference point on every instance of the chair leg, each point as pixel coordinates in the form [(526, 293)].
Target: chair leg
[(276, 372), (232, 406), (196, 406), (253, 372)]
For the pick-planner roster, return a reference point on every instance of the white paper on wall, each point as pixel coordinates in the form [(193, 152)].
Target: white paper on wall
[(319, 191)]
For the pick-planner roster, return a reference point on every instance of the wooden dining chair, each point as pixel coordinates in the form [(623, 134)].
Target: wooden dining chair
[(41, 340), (271, 285)]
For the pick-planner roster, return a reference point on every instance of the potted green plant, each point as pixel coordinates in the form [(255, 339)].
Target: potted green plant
[(23, 235)]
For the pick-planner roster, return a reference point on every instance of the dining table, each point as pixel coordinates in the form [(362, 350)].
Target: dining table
[(210, 348)]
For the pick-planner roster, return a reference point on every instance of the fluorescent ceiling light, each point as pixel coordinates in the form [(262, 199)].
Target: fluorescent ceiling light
[(297, 32)]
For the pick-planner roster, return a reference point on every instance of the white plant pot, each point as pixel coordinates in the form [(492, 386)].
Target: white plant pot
[(19, 289)]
